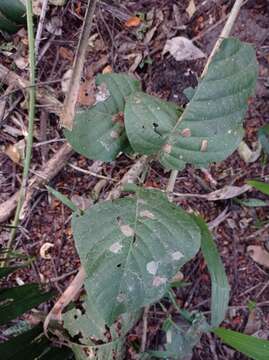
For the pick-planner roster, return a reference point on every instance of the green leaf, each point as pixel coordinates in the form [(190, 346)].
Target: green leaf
[(7, 25), (98, 132), (263, 136), (110, 351), (220, 285), (14, 10), (181, 338), (25, 346), (210, 128), (131, 248), (252, 202), (64, 199), (254, 348), (16, 301), (259, 185), (7, 270)]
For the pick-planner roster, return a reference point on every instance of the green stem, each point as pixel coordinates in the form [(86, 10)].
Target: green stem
[(31, 116)]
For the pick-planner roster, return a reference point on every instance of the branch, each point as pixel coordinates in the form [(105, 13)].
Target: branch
[(68, 112)]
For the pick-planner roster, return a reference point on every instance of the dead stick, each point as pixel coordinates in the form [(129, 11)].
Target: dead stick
[(47, 172), (44, 96), (68, 112)]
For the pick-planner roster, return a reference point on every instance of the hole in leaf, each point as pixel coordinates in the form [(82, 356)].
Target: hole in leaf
[(119, 265)]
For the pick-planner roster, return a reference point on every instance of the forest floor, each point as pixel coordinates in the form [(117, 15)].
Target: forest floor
[(139, 50)]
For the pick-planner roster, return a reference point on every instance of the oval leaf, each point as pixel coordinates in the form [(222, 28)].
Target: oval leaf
[(98, 132), (14, 10), (210, 128), (131, 248)]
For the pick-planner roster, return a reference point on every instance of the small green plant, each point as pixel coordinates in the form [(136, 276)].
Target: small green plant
[(132, 247), (25, 341)]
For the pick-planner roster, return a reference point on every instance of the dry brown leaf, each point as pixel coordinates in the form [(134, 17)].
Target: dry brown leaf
[(191, 8), (66, 54), (44, 250), (259, 255), (133, 22), (248, 155), (227, 192), (107, 70), (86, 95), (16, 151), (182, 48)]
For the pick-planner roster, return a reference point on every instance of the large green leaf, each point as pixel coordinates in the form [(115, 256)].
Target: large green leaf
[(14, 10), (254, 348), (16, 301), (98, 132), (131, 248), (210, 128), (220, 286)]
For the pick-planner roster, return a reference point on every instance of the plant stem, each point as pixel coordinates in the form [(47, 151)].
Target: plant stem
[(31, 116), (224, 34)]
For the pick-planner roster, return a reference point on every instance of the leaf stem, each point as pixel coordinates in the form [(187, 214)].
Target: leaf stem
[(31, 116)]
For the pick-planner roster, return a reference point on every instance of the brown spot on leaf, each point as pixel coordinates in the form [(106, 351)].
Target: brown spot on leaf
[(204, 145), (167, 148), (186, 132)]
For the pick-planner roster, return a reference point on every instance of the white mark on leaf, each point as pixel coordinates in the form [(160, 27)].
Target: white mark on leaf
[(158, 281), (167, 148), (204, 145), (115, 248), (169, 336), (127, 230), (186, 132), (152, 267), (121, 298), (147, 214), (114, 134), (177, 255)]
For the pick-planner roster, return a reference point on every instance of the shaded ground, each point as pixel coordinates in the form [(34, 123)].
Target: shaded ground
[(120, 47)]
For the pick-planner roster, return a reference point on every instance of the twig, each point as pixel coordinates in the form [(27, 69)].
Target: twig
[(92, 173), (68, 112), (31, 117), (225, 33), (68, 295), (43, 95), (145, 329), (40, 25), (47, 172)]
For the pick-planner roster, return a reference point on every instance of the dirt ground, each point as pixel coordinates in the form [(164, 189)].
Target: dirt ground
[(121, 47)]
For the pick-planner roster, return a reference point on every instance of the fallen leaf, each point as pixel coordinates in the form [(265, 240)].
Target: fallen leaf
[(86, 95), (133, 22), (66, 54), (57, 2), (54, 26), (248, 155), (259, 255), (16, 151), (44, 250), (182, 48), (107, 70), (66, 81), (191, 8), (227, 192)]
